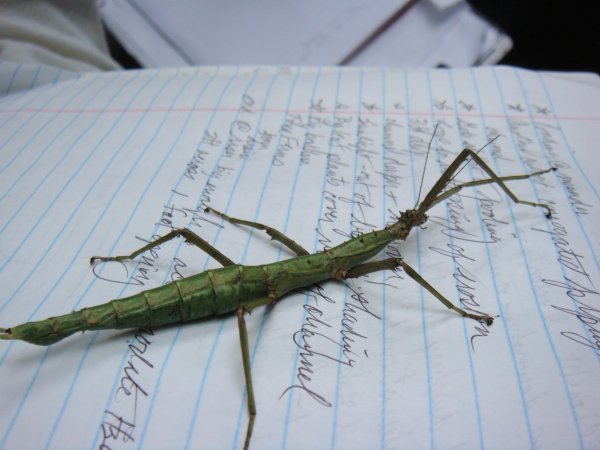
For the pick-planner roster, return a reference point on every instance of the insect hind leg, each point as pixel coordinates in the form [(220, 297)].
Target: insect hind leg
[(188, 235)]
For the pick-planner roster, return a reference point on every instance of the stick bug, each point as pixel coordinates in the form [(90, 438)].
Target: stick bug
[(239, 289)]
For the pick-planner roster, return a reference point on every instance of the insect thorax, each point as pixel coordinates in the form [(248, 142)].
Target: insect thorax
[(407, 220)]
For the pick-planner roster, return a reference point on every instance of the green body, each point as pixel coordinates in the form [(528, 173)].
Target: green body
[(242, 288), (211, 293)]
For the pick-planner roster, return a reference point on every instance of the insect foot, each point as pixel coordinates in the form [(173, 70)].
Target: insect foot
[(95, 259), (488, 320), (548, 210)]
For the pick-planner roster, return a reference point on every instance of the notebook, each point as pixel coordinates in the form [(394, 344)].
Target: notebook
[(103, 163)]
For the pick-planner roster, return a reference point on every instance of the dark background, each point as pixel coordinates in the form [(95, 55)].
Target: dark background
[(547, 35)]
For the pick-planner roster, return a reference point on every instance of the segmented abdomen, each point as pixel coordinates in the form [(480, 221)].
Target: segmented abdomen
[(207, 294)]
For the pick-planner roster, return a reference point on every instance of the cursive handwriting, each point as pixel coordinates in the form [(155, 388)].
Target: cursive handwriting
[(588, 315), (119, 426), (577, 283)]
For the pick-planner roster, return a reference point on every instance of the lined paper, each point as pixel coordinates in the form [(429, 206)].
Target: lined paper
[(100, 164)]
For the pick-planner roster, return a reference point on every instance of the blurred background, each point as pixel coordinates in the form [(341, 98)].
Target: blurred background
[(548, 35), (545, 35)]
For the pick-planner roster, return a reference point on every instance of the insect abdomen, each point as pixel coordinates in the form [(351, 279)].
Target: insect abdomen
[(207, 294), (180, 301)]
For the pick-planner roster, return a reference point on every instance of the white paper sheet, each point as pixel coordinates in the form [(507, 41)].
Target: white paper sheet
[(237, 32), (429, 36), (100, 164), (385, 33)]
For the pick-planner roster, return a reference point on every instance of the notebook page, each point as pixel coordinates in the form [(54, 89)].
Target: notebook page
[(103, 164)]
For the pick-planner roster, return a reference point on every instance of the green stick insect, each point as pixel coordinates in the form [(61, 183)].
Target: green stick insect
[(240, 289)]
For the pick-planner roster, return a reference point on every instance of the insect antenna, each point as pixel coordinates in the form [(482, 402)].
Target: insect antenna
[(470, 159), (425, 166)]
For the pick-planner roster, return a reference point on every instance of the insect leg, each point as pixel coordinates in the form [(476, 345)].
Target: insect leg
[(419, 279), (247, 374), (499, 180), (394, 263), (188, 235), (275, 235), (370, 267), (436, 195)]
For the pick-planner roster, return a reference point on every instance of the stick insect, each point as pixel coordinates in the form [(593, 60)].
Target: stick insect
[(239, 289)]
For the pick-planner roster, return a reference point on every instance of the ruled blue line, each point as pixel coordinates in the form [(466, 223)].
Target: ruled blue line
[(23, 91), (116, 243), (221, 325), (419, 265), (527, 265), (49, 208), (207, 260), (525, 258), (541, 145), (35, 77), (53, 242), (464, 321), (217, 339), (231, 195), (524, 404), (12, 79), (336, 400), (177, 334), (9, 103), (454, 267), (244, 254), (159, 168), (384, 220), (584, 329), (169, 201), (97, 223), (290, 393), (572, 153), (39, 129), (26, 396), (383, 408), (243, 403)]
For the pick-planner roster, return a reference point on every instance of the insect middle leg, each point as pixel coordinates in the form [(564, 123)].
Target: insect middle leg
[(394, 263), (246, 308), (275, 234), (247, 374), (188, 235)]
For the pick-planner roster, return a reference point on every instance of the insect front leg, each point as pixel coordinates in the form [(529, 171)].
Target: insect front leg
[(188, 235), (275, 234), (394, 263), (436, 193)]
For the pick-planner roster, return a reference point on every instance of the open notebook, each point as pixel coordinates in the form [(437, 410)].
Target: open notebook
[(101, 163)]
